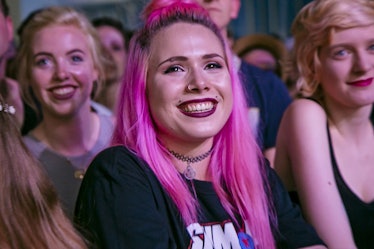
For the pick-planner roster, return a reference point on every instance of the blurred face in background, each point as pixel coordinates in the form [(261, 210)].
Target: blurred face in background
[(262, 59), (114, 42), (221, 11), (6, 36)]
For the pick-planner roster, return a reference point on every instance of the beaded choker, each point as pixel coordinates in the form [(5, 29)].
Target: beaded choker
[(189, 173)]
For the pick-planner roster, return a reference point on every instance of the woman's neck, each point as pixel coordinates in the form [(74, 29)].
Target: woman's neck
[(353, 124), (69, 136), (199, 153)]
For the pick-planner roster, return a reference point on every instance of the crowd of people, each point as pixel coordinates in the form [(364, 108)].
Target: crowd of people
[(176, 136)]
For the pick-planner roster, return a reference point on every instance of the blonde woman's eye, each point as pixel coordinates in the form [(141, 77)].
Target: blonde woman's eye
[(76, 58), (340, 54), (371, 47)]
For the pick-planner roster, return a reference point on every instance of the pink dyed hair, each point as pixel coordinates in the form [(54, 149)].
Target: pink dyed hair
[(236, 166)]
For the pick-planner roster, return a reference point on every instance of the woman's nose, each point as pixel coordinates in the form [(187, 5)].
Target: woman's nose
[(197, 82), (61, 72), (363, 62)]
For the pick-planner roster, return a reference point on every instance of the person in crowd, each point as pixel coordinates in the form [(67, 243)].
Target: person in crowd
[(6, 29), (30, 212), (326, 141), (115, 39), (265, 51), (31, 215), (33, 114), (267, 95), (9, 88), (58, 73), (180, 174)]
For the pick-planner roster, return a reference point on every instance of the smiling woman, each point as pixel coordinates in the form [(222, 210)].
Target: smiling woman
[(56, 58), (181, 175), (326, 143), (58, 73), (190, 94)]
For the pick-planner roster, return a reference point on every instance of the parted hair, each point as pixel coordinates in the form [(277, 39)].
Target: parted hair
[(30, 212), (312, 29), (235, 165)]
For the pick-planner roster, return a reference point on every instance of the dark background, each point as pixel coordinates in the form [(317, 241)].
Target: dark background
[(256, 16)]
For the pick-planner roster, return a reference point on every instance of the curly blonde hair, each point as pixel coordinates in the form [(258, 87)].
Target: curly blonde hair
[(312, 29)]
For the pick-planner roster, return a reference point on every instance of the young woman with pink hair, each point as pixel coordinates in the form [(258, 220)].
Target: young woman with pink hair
[(185, 170)]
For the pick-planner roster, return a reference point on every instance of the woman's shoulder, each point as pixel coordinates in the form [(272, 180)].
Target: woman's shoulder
[(116, 151), (305, 111), (304, 122), (116, 160), (35, 146), (308, 104), (115, 154)]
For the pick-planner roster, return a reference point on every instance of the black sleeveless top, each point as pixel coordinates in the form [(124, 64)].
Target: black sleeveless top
[(360, 213)]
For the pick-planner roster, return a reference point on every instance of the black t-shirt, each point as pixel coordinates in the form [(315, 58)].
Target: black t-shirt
[(122, 205)]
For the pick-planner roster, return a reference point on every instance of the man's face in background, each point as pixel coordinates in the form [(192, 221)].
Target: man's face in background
[(221, 11)]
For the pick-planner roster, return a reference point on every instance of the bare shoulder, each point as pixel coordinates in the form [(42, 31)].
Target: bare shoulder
[(302, 146), (302, 127), (304, 112), (305, 107), (302, 130)]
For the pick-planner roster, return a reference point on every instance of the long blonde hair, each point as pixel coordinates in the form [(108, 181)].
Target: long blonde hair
[(30, 213)]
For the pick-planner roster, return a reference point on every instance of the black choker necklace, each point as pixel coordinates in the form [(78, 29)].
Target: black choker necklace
[(189, 173)]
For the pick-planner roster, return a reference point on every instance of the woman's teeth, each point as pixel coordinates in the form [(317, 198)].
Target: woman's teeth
[(199, 107)]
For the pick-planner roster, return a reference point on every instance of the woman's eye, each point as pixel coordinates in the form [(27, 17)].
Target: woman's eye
[(76, 58), (371, 47), (213, 65), (340, 53), (42, 62), (116, 47), (173, 69)]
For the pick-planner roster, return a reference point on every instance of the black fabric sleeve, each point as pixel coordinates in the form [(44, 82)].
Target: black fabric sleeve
[(294, 231), (117, 208)]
